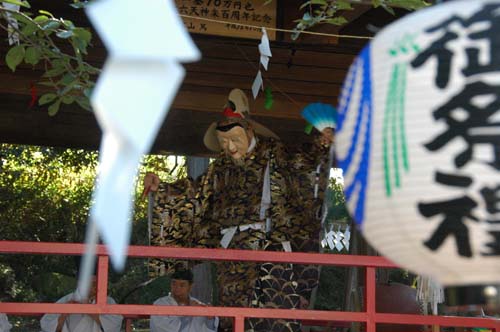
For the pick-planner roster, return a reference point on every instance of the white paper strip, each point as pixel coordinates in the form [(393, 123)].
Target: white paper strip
[(257, 84), (12, 23), (130, 101), (131, 29), (264, 49)]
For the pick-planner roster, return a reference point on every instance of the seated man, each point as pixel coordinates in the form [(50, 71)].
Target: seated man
[(81, 322), (180, 287)]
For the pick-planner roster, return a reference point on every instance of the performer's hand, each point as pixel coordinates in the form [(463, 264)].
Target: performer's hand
[(151, 183), (327, 136)]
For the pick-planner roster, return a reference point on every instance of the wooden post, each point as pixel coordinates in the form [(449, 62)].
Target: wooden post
[(128, 325), (203, 281)]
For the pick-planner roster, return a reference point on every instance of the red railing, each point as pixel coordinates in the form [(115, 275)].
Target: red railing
[(370, 317)]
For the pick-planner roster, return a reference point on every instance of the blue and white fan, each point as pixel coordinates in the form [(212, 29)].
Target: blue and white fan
[(320, 115)]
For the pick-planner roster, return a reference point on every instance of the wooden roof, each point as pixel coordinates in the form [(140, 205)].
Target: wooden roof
[(310, 70)]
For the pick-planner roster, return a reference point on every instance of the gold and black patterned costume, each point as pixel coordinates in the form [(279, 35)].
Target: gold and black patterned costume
[(229, 199)]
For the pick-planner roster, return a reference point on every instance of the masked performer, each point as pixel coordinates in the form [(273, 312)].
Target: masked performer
[(256, 195)]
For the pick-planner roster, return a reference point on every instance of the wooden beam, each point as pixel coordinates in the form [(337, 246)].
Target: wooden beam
[(181, 133), (298, 74)]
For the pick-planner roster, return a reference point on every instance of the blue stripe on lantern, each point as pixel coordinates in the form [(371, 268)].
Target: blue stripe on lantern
[(360, 180)]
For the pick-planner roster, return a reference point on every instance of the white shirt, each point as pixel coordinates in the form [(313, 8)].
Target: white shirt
[(4, 323), (81, 322), (181, 323)]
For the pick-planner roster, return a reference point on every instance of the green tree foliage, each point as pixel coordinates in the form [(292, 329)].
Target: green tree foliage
[(56, 45), (332, 11), (337, 210), (45, 195)]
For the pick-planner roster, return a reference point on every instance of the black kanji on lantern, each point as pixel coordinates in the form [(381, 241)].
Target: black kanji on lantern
[(491, 197), (486, 22), (479, 126), (454, 212), (494, 245), (471, 117)]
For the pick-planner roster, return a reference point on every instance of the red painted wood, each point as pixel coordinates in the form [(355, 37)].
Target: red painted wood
[(131, 311), (370, 299), (102, 279), (239, 324), (52, 248), (128, 325)]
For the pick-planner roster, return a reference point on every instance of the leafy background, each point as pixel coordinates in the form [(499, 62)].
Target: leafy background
[(45, 194)]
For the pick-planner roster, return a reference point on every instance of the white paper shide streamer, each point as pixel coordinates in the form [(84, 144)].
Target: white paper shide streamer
[(429, 293), (131, 100), (12, 22), (337, 239), (265, 54)]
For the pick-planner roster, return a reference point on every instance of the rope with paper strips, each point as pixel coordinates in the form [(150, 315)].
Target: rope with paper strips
[(265, 54)]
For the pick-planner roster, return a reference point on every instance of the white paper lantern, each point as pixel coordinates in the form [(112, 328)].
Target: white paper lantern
[(418, 139)]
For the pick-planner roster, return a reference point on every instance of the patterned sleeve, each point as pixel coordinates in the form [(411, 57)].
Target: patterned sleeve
[(173, 212), (206, 233), (307, 157), (299, 177)]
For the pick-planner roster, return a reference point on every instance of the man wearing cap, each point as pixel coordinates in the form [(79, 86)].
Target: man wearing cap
[(256, 196), (180, 288)]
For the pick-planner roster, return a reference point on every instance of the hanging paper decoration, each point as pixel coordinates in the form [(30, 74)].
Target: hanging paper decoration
[(12, 24), (268, 103), (258, 84), (429, 293), (264, 49), (418, 139), (337, 240), (131, 99), (320, 115), (265, 54)]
